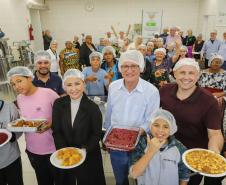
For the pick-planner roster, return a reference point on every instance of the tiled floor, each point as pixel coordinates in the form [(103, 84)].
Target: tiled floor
[(29, 175), (30, 179)]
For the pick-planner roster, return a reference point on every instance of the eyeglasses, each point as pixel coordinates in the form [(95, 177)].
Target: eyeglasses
[(127, 67)]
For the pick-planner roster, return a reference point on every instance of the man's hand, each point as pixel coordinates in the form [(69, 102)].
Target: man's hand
[(154, 144), (91, 78)]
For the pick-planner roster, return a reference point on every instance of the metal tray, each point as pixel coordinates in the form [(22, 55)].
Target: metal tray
[(11, 128), (121, 148)]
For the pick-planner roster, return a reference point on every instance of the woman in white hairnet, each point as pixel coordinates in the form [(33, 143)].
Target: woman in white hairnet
[(162, 149), (161, 68), (110, 63), (77, 122), (97, 79), (131, 101), (36, 103)]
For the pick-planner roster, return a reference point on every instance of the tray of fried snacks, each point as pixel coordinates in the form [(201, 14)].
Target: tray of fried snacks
[(205, 162), (67, 158), (123, 138), (25, 125)]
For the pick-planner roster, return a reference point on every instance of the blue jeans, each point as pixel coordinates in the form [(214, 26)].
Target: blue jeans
[(120, 165)]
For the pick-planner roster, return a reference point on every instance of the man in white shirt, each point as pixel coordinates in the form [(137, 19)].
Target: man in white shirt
[(131, 102)]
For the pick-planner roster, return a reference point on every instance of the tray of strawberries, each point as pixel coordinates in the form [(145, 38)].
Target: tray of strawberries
[(123, 138)]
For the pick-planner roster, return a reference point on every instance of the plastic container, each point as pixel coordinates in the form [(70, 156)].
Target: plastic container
[(120, 137)]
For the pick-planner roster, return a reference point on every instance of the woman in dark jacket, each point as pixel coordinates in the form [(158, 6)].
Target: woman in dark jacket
[(86, 49), (77, 122)]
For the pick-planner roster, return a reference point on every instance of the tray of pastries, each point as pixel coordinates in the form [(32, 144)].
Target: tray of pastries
[(205, 162)]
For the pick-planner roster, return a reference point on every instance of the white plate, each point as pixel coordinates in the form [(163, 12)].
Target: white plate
[(205, 174), (57, 163), (9, 134)]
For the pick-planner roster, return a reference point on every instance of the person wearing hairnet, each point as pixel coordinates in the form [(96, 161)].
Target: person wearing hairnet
[(11, 172), (96, 79), (42, 76), (196, 112), (146, 160), (131, 101), (77, 122), (110, 63), (36, 103), (161, 67), (147, 68)]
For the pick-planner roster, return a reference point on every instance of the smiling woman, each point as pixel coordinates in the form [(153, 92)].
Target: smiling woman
[(77, 122)]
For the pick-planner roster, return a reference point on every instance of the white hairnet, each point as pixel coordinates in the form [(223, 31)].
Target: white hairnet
[(42, 55), (73, 73), (163, 50), (109, 49), (188, 62), (167, 116), (19, 71), (215, 56), (96, 54), (133, 56)]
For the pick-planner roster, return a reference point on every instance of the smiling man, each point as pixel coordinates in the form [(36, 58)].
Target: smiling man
[(131, 101), (196, 112), (43, 77)]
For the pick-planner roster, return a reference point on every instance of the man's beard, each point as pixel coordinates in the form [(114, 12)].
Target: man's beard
[(43, 73)]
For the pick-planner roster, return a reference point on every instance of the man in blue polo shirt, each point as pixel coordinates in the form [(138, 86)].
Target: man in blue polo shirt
[(43, 76)]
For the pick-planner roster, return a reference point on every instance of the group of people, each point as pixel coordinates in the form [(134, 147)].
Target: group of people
[(139, 82)]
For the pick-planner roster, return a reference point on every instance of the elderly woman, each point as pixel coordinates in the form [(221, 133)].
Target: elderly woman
[(77, 122), (86, 49), (150, 154), (110, 63), (214, 80), (137, 41), (147, 68), (54, 57), (189, 41), (181, 52), (161, 68), (96, 79), (159, 42), (150, 52)]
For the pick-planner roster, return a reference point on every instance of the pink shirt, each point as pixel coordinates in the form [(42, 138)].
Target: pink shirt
[(38, 105)]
